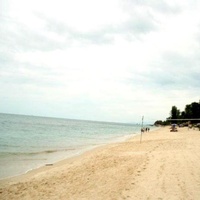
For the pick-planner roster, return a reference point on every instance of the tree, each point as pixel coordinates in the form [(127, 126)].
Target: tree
[(195, 108), (188, 112), (182, 115), (192, 111), (175, 114)]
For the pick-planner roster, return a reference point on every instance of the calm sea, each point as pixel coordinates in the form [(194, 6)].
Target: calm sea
[(28, 142)]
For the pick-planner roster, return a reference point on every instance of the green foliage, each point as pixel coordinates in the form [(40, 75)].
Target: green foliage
[(175, 114), (192, 111), (161, 123)]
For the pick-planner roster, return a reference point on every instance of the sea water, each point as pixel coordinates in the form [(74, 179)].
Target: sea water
[(29, 142)]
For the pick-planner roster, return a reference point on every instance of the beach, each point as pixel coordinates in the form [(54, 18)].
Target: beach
[(30, 142), (165, 165)]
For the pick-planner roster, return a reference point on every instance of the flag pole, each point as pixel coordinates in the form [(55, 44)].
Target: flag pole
[(141, 129)]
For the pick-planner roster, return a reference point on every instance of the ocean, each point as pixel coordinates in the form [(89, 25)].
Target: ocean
[(29, 142)]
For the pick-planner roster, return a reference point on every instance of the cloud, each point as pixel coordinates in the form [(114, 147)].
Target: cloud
[(102, 60), (106, 34), (19, 38), (152, 9), (49, 33)]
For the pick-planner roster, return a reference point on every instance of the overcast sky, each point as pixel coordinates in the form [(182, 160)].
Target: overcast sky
[(107, 60)]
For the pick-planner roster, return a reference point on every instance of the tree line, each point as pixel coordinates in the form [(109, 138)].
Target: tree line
[(192, 111)]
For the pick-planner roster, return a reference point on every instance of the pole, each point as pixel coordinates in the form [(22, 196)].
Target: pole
[(141, 129)]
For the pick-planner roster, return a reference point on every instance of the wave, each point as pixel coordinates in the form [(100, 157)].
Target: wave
[(2, 154), (9, 145)]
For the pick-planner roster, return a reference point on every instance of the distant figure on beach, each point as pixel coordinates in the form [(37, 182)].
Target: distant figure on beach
[(189, 126), (147, 129), (142, 130), (173, 128)]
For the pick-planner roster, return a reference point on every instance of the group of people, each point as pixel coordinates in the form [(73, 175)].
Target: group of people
[(147, 129)]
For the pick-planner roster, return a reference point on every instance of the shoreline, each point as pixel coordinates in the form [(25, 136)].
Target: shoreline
[(72, 156), (65, 139), (76, 153), (165, 165)]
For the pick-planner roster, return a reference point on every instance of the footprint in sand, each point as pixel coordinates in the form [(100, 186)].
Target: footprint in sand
[(138, 174)]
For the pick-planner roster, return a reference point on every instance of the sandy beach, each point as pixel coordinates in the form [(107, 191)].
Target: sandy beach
[(166, 165)]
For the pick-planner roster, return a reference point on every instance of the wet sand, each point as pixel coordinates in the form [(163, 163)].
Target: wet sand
[(166, 165)]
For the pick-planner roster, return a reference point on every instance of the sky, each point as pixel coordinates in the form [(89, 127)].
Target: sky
[(108, 60)]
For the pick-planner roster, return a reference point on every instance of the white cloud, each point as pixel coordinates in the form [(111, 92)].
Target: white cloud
[(101, 60)]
